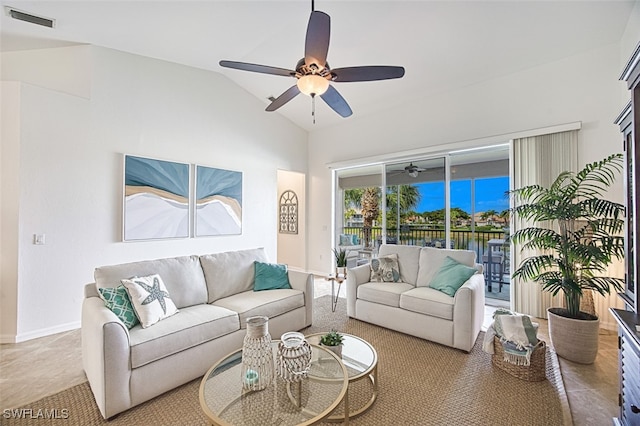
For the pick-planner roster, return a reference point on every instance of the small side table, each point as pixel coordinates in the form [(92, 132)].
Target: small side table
[(334, 294), (364, 256)]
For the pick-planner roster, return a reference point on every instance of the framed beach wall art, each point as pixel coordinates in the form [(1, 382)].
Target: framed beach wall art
[(156, 199), (218, 204)]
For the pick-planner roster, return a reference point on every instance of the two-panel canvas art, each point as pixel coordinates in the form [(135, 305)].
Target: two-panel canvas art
[(158, 201)]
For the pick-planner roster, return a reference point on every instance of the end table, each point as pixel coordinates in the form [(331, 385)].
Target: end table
[(334, 294)]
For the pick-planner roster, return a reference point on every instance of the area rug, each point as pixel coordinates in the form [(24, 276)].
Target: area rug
[(420, 383)]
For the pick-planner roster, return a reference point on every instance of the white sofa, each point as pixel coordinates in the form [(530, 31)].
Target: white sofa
[(214, 295), (411, 306)]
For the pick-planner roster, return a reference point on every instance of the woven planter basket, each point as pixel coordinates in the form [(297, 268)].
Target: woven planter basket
[(534, 372)]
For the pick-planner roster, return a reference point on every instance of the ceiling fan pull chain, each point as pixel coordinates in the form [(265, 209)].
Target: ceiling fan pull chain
[(313, 107)]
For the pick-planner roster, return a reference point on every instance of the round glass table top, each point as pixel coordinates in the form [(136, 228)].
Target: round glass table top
[(358, 356), (224, 401)]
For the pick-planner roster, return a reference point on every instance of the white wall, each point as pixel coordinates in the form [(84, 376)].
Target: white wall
[(582, 88), (9, 178), (631, 36), (71, 169)]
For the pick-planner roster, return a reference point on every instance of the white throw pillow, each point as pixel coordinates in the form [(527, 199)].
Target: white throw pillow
[(385, 268), (150, 299)]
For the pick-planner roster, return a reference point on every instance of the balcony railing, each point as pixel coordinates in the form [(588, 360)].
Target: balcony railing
[(431, 237)]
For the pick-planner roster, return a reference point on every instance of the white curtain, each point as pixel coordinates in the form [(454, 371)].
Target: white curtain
[(538, 160)]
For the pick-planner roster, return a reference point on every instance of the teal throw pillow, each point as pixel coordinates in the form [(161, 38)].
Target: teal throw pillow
[(117, 300), (451, 275), (270, 276), (346, 240)]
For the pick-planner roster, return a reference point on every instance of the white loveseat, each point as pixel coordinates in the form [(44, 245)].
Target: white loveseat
[(214, 295), (411, 306)]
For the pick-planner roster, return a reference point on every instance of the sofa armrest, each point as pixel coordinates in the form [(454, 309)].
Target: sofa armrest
[(303, 281), (468, 312), (106, 356), (91, 290), (355, 277)]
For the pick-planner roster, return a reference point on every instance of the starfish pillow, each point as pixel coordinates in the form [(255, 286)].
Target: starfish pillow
[(150, 299)]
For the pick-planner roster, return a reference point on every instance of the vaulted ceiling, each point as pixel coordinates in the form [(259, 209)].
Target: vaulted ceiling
[(442, 44)]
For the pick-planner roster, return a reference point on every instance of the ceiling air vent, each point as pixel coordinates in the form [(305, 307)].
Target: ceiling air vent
[(27, 17)]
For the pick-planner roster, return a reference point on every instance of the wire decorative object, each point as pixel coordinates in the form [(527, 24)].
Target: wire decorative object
[(293, 360), (257, 355)]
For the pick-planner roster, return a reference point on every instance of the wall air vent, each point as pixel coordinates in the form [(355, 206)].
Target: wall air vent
[(28, 17)]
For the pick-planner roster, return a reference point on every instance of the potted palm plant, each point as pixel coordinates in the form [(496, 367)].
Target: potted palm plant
[(341, 262), (577, 234)]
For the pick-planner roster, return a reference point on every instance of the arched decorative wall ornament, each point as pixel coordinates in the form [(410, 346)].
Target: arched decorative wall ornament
[(288, 212)]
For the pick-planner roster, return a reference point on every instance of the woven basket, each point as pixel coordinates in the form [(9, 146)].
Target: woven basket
[(534, 372)]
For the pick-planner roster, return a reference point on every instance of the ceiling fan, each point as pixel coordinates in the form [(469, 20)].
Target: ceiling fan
[(313, 72), (411, 170)]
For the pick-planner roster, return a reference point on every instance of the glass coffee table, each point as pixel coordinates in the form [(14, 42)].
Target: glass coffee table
[(361, 362), (301, 403)]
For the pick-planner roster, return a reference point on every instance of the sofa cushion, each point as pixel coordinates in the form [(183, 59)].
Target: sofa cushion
[(270, 276), (383, 293), (451, 275), (190, 327), (385, 268), (231, 272), (150, 299), (117, 300), (428, 301), (262, 303), (408, 257), (431, 259), (182, 275)]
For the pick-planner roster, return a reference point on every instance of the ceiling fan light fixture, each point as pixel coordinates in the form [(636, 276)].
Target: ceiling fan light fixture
[(312, 84), (413, 173)]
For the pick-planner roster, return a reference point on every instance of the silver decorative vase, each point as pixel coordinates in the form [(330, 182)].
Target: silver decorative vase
[(257, 355)]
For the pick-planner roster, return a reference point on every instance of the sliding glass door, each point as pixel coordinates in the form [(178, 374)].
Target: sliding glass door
[(454, 201), (358, 212), (415, 203)]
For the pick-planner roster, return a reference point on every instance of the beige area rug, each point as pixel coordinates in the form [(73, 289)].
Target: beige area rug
[(421, 383)]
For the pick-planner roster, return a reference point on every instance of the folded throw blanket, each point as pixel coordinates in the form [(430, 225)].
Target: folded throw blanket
[(487, 343), (518, 337)]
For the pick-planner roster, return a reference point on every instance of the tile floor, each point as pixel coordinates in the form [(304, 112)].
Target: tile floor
[(36, 368)]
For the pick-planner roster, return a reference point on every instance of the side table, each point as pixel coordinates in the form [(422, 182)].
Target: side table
[(334, 294)]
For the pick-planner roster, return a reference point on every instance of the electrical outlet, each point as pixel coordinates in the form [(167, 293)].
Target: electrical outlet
[(39, 239)]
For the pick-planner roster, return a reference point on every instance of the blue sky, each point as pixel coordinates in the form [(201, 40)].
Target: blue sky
[(489, 195)]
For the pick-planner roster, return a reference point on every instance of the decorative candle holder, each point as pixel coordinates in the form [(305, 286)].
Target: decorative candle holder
[(294, 357), (257, 355)]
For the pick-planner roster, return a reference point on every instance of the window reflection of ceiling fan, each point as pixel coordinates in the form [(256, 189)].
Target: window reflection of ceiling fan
[(411, 170)]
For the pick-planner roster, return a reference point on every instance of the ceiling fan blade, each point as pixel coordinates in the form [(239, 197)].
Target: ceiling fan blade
[(336, 102), (289, 94), (367, 73), (264, 69), (316, 45)]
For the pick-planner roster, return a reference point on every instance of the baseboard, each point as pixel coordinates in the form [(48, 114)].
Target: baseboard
[(7, 338), (609, 325), (23, 337)]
